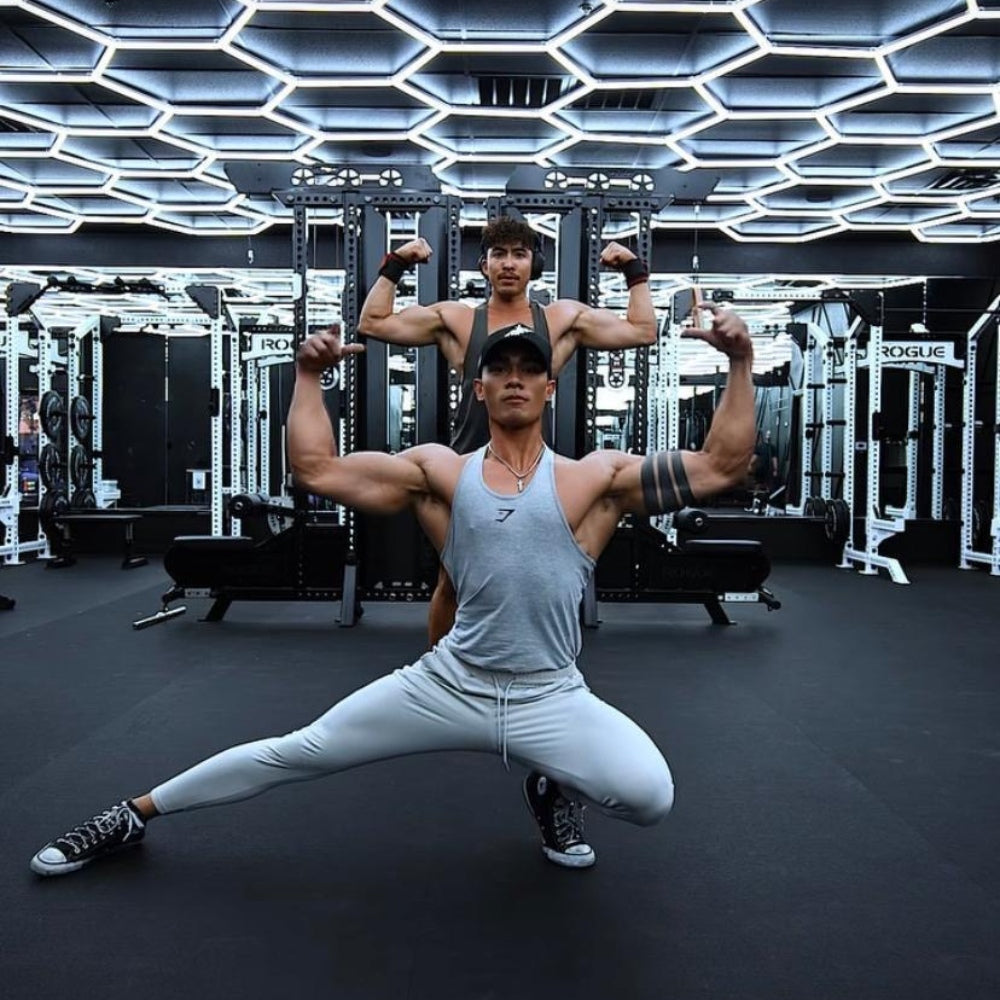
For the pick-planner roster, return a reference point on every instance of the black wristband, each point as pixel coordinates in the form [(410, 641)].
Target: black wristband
[(393, 267), (634, 271)]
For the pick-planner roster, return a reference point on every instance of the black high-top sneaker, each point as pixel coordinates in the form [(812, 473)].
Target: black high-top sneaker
[(118, 827), (560, 821)]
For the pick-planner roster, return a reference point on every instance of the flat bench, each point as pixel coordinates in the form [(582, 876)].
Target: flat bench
[(306, 562), (641, 566), (64, 522)]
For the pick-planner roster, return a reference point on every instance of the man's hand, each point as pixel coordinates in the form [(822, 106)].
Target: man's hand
[(417, 251), (324, 350), (615, 255), (728, 333)]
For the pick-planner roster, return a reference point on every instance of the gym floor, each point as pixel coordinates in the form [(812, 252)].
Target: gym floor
[(834, 835)]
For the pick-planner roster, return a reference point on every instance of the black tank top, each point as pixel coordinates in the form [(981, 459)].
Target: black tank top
[(472, 425)]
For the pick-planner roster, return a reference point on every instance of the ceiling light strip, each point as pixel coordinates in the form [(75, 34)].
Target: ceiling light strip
[(260, 65), (925, 34), (47, 14)]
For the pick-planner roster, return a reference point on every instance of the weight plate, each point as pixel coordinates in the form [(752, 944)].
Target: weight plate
[(84, 499), (837, 521), (80, 465), (81, 419), (52, 412), (50, 466), (54, 504)]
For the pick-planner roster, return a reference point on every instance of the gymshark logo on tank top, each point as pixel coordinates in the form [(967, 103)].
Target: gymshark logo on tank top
[(504, 513)]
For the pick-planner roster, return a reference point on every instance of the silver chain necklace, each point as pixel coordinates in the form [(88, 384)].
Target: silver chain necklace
[(519, 476)]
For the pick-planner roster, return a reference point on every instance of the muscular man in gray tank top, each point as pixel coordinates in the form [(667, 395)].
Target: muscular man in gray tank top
[(509, 260), (519, 529)]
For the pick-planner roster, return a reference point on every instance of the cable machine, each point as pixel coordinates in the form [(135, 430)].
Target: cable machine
[(320, 555), (375, 208)]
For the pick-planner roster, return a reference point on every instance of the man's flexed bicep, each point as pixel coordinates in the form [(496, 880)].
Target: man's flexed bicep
[(370, 481), (414, 326), (443, 324)]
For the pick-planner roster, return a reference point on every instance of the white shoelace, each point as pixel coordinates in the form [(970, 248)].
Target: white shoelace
[(96, 829), (567, 816)]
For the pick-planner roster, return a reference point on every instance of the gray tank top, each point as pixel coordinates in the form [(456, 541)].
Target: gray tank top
[(472, 425), (519, 574)]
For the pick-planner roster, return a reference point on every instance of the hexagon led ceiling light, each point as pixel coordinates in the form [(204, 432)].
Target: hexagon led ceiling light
[(816, 119)]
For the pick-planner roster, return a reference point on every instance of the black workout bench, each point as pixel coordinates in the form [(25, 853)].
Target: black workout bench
[(640, 565), (309, 561), (61, 541)]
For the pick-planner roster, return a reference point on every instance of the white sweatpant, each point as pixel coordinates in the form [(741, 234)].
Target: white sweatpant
[(548, 721)]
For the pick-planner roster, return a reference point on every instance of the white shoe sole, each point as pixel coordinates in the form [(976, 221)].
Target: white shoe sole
[(569, 860), (40, 867)]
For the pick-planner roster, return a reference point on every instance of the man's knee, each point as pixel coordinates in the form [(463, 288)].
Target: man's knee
[(657, 803), (647, 798)]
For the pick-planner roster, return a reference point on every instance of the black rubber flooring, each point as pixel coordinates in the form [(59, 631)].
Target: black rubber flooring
[(834, 836)]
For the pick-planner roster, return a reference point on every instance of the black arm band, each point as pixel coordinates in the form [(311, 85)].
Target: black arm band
[(664, 482), (393, 267), (682, 489), (635, 271)]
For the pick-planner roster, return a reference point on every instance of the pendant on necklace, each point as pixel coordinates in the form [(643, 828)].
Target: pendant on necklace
[(520, 486)]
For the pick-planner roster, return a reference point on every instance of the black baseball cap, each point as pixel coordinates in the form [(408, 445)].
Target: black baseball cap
[(518, 333)]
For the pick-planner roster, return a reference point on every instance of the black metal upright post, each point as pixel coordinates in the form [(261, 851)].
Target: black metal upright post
[(639, 444), (373, 374), (352, 378), (593, 217), (301, 200), (300, 265), (570, 280), (437, 280)]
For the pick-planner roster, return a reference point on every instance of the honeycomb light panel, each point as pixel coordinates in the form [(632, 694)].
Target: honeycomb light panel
[(127, 112)]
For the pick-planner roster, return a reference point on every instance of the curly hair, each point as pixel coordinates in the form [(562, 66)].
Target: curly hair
[(505, 231)]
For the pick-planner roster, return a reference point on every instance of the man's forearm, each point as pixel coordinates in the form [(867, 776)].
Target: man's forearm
[(310, 432), (378, 305), (640, 313), (731, 438)]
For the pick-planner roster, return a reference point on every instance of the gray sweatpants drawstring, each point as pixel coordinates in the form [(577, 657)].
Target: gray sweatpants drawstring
[(503, 712)]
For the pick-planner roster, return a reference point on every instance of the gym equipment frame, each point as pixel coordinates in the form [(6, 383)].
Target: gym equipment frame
[(921, 356), (969, 554)]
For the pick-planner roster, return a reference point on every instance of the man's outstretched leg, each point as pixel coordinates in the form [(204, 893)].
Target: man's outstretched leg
[(408, 711)]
